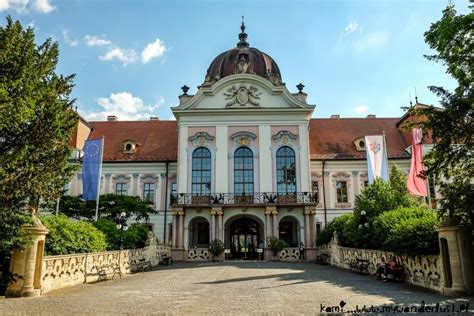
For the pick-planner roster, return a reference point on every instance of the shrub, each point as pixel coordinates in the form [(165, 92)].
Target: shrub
[(408, 230), (336, 225), (216, 247), (71, 236), (134, 237), (276, 244)]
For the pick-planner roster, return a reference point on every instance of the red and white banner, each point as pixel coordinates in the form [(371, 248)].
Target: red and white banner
[(416, 185), (377, 162)]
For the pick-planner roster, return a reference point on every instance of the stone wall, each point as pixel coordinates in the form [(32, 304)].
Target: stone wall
[(199, 254), (289, 254), (67, 270), (425, 271)]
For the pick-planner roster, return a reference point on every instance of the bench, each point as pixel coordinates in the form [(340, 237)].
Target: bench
[(143, 265), (166, 260), (103, 271), (396, 274), (359, 266), (323, 259)]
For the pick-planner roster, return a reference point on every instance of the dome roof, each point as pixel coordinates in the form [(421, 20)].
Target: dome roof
[(243, 59)]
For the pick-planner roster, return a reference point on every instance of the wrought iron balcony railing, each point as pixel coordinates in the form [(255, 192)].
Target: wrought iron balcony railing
[(258, 198)]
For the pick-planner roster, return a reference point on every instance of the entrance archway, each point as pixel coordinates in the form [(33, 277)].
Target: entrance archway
[(289, 229), (199, 233), (244, 235)]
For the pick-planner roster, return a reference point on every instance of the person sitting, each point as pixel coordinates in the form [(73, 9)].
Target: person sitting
[(393, 267), (381, 268)]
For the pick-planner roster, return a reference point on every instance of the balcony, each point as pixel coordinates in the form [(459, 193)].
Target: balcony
[(258, 198)]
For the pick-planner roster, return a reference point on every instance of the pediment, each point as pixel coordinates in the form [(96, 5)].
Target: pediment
[(243, 92)]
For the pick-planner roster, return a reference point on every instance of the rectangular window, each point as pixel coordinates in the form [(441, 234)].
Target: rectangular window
[(341, 191), (149, 192), (121, 188), (315, 187)]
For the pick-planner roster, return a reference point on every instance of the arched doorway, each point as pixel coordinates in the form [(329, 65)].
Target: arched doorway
[(289, 231), (199, 233), (244, 236)]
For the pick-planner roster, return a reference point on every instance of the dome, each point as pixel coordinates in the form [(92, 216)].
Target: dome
[(243, 59)]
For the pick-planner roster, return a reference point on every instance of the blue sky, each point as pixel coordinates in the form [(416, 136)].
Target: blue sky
[(131, 57)]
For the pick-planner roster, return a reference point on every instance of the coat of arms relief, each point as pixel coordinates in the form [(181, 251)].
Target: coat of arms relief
[(242, 95)]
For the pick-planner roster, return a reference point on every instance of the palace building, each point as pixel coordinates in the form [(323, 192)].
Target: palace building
[(243, 161)]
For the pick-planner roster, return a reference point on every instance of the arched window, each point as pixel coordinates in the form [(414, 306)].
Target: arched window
[(243, 171), (201, 171), (286, 170)]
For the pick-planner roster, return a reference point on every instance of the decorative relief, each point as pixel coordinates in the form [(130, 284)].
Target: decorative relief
[(201, 139), (242, 95), (284, 138), (243, 139), (290, 254), (198, 254)]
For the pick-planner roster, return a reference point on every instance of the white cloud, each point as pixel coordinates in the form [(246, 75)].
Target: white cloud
[(351, 27), (125, 106), (372, 41), (361, 109), (22, 6), (92, 40), (68, 40), (124, 55), (153, 50), (43, 6)]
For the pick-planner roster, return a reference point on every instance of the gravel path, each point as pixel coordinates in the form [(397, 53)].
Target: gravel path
[(272, 288)]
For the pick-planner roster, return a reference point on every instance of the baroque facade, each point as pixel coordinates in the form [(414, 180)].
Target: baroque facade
[(243, 161)]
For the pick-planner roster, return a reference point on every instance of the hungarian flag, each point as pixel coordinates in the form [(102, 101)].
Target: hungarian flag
[(416, 185), (377, 162)]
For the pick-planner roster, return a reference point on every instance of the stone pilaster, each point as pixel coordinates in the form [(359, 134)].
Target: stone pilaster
[(135, 184), (107, 183)]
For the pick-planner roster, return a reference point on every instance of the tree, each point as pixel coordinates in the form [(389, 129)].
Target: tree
[(110, 206), (450, 163), (36, 125)]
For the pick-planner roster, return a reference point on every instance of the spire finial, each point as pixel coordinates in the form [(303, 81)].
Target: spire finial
[(242, 36)]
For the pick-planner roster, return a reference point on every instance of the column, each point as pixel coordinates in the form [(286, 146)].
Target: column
[(312, 232), (135, 184), (327, 189), (307, 229), (175, 228), (220, 223), (213, 225), (107, 183), (275, 223), (268, 224), (221, 173), (181, 229)]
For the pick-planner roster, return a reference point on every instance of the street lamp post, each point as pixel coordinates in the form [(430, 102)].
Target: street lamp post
[(122, 225)]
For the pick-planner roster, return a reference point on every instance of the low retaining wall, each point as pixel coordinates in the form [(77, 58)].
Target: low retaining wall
[(425, 271), (67, 270)]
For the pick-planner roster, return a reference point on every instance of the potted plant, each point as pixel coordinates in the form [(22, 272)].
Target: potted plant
[(276, 245), (216, 247)]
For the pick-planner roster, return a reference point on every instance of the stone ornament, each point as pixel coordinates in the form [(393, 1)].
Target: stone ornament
[(243, 139), (284, 138), (201, 139), (242, 95)]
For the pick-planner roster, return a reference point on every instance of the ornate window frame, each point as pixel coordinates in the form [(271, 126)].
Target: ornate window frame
[(358, 142), (342, 176), (315, 176), (149, 178), (286, 138), (201, 139), (121, 178), (244, 139)]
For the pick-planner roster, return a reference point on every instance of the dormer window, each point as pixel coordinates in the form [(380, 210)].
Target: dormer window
[(359, 144), (129, 146)]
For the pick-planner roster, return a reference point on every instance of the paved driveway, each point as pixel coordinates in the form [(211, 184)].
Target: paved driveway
[(230, 288)]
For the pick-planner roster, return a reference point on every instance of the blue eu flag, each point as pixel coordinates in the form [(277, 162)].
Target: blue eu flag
[(91, 164)]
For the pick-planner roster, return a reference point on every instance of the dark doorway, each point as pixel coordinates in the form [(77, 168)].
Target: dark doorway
[(244, 238)]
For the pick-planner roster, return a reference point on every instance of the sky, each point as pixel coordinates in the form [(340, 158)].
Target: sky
[(131, 57)]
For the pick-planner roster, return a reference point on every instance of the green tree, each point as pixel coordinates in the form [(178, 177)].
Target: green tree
[(36, 125), (134, 237), (110, 206), (450, 163)]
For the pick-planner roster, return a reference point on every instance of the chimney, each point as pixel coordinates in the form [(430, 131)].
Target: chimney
[(371, 116), (154, 118), (335, 116), (112, 118)]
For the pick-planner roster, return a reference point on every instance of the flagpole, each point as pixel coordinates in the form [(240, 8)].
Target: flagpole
[(98, 182), (385, 158)]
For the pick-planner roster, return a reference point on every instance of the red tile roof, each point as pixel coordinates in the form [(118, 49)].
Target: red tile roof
[(334, 138), (157, 140), (329, 138)]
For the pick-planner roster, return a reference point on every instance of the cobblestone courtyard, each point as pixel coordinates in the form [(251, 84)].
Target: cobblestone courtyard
[(228, 288)]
